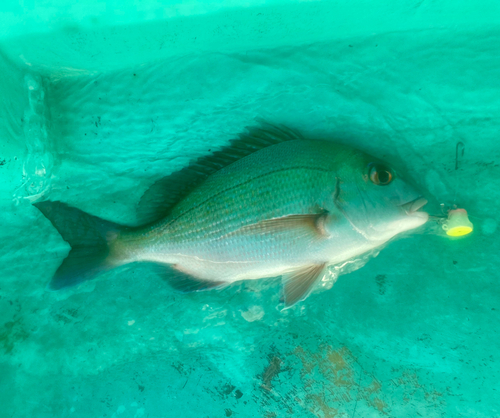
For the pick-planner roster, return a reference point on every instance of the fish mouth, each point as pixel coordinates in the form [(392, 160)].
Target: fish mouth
[(411, 207)]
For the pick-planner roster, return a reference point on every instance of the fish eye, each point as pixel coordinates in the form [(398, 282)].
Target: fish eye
[(380, 174)]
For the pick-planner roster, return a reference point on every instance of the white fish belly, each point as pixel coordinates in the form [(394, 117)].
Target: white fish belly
[(254, 257)]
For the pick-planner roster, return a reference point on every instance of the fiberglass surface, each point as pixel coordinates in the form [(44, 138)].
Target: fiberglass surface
[(414, 332)]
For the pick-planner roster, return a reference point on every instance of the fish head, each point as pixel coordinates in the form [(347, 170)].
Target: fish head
[(378, 201)]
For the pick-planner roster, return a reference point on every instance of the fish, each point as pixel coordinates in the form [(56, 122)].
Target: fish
[(272, 203)]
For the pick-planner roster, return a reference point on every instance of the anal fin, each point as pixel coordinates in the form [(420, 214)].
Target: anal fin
[(298, 284), (185, 283)]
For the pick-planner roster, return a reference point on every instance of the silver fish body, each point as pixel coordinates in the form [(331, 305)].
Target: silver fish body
[(244, 222), (291, 209)]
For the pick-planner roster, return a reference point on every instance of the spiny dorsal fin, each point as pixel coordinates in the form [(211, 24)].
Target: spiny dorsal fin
[(162, 196), (298, 284)]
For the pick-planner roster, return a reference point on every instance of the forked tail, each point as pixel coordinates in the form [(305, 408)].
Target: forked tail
[(90, 238)]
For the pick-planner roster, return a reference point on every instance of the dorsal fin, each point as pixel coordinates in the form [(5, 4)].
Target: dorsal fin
[(163, 195)]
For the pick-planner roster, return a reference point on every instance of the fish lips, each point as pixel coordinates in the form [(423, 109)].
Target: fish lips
[(411, 208)]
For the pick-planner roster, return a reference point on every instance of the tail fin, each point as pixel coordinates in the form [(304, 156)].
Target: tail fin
[(89, 237)]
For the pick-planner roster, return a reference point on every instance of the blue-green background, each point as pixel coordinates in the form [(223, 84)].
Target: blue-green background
[(100, 99)]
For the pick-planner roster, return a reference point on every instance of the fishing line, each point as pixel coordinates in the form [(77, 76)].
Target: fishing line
[(459, 155), (454, 220)]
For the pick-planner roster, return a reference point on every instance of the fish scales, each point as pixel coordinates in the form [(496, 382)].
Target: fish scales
[(240, 195), (290, 209)]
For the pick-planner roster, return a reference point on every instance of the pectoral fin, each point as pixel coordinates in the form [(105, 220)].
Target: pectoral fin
[(308, 224), (298, 285)]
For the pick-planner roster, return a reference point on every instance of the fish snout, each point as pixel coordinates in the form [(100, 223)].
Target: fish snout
[(414, 205)]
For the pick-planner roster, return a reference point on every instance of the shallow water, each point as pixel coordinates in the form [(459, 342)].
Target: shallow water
[(414, 332)]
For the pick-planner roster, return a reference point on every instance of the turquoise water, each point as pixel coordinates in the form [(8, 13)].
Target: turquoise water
[(98, 104)]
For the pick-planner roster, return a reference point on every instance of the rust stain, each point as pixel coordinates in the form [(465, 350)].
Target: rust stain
[(326, 410), (336, 358), (337, 366), (409, 383), (272, 370), (432, 396), (379, 404), (307, 365), (331, 380), (369, 395)]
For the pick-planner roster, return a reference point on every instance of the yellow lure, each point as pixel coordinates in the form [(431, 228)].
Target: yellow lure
[(458, 223)]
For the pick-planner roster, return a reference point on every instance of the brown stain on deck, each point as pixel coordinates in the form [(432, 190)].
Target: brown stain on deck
[(271, 371), (337, 366), (329, 382)]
